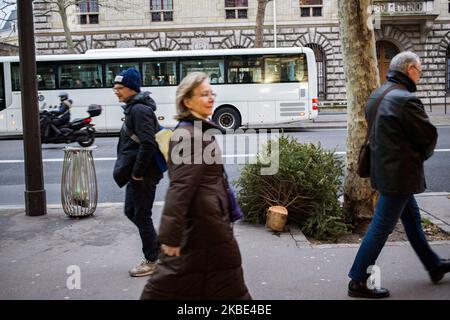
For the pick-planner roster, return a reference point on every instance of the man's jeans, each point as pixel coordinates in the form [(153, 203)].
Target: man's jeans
[(389, 209), (139, 198)]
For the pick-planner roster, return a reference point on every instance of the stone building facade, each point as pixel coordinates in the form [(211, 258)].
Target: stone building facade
[(8, 50), (422, 26)]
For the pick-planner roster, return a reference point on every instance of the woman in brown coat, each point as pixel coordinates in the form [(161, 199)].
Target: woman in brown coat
[(199, 258)]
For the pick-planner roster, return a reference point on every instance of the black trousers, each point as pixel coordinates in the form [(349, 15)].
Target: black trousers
[(139, 197)]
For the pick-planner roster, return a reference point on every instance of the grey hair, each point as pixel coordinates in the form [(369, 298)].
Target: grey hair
[(403, 60), (185, 90)]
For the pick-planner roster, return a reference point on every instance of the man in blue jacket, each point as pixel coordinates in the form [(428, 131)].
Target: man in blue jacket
[(135, 166), (401, 139)]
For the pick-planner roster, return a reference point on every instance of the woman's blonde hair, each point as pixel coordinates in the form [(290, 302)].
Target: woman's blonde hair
[(185, 90)]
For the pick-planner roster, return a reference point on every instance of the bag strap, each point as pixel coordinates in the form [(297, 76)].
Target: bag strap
[(130, 133), (376, 105)]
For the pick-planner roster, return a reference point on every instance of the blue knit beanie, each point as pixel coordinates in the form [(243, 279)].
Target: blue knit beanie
[(130, 78)]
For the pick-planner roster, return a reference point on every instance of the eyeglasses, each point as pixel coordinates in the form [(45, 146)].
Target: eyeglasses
[(116, 89), (208, 94), (415, 67)]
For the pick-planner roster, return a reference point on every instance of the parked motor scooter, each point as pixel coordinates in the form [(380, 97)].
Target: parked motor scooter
[(78, 130)]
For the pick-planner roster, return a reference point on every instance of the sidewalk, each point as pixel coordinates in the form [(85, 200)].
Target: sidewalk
[(338, 119), (436, 207), (35, 253)]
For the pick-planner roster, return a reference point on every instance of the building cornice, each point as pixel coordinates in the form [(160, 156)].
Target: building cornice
[(172, 28)]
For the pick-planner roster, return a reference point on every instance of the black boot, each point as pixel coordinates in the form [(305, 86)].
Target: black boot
[(359, 290), (437, 274)]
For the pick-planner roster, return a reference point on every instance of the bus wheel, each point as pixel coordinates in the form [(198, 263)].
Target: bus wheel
[(227, 118)]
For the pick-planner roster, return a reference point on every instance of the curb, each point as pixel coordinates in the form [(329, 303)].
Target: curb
[(437, 222), (59, 206), (388, 244), (433, 194)]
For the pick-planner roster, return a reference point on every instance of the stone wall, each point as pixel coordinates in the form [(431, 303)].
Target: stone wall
[(431, 47), (42, 19), (326, 37), (8, 50)]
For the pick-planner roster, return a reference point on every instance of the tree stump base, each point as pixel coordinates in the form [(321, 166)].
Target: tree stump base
[(276, 218)]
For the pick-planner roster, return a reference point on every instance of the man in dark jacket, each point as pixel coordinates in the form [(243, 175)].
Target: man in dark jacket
[(401, 139), (136, 166)]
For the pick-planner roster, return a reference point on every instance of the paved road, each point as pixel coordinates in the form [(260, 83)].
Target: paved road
[(12, 172)]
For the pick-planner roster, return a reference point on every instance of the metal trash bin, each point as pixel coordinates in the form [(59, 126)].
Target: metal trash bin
[(79, 192)]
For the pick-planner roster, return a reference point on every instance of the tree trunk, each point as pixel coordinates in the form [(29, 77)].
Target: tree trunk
[(259, 31), (62, 12), (361, 71)]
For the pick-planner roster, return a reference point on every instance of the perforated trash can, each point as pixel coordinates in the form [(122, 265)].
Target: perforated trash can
[(79, 192)]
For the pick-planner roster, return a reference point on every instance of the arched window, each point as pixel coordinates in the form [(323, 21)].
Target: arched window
[(448, 69), (321, 69)]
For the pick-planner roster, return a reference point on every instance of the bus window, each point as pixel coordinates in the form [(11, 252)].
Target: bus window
[(2, 89), (213, 68), (113, 69), (285, 69), (46, 77), (244, 69), (80, 75), (159, 73), (15, 77)]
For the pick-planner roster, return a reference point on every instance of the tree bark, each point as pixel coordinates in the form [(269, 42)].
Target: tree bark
[(361, 71), (62, 12), (259, 31)]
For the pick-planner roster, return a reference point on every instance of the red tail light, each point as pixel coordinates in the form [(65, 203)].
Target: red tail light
[(315, 104), (87, 120)]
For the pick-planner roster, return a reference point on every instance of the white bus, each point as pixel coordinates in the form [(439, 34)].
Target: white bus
[(254, 86)]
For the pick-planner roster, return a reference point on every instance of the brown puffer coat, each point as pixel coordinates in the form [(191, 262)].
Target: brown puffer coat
[(195, 217)]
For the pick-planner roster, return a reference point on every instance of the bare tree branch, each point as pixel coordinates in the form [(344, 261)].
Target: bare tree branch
[(5, 9), (6, 4), (61, 6)]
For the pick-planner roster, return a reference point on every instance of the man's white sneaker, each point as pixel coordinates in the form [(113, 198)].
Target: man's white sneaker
[(144, 268)]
